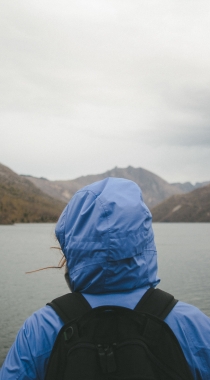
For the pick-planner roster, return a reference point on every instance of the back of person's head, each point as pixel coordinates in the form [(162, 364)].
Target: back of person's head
[(106, 235)]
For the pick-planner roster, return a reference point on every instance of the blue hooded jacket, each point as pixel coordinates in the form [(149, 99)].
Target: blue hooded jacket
[(106, 235)]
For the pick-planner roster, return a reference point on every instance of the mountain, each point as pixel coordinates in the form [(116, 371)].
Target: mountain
[(190, 207), (187, 186), (30, 199), (154, 188), (21, 201)]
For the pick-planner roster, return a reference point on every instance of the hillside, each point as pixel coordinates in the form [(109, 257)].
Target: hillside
[(190, 207), (187, 186), (154, 188), (22, 202)]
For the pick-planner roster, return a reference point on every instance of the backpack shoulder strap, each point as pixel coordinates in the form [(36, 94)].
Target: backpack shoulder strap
[(156, 302), (70, 306)]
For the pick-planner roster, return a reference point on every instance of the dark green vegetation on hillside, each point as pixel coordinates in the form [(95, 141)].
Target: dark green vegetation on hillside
[(22, 202), (190, 207)]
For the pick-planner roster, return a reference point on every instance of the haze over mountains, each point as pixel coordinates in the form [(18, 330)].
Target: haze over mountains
[(25, 198), (154, 188)]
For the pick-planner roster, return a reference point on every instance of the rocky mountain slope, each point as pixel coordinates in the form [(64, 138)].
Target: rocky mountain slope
[(22, 202), (190, 207), (154, 188), (31, 199)]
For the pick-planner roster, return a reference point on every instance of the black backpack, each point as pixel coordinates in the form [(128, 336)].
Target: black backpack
[(112, 342)]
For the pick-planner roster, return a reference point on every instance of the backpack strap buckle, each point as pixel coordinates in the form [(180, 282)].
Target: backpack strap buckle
[(107, 358)]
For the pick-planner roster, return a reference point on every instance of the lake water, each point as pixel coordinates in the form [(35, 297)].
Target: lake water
[(184, 265)]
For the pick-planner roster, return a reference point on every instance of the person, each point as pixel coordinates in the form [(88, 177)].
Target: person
[(106, 235)]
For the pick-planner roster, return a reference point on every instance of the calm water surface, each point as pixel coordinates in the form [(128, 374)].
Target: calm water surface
[(184, 264)]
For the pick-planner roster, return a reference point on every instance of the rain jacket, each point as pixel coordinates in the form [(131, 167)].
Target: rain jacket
[(106, 235)]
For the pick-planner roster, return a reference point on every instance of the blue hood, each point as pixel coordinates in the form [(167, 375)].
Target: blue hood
[(106, 235)]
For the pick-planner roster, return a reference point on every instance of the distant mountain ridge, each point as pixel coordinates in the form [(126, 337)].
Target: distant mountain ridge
[(191, 207), (25, 198), (187, 186), (154, 188), (22, 202)]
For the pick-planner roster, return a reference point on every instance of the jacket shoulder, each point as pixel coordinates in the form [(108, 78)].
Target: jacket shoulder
[(29, 355), (192, 329), (45, 323)]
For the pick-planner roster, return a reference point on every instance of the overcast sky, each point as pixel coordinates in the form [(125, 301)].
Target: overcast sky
[(87, 85)]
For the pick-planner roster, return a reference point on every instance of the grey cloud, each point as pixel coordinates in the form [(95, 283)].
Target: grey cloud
[(59, 59), (195, 100), (130, 75), (191, 136)]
